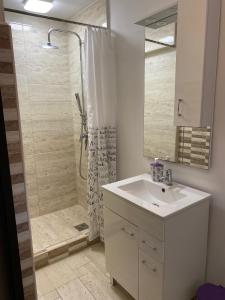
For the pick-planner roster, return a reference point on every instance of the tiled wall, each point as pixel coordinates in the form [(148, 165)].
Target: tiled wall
[(94, 14), (47, 82), (9, 99), (46, 115), (2, 16)]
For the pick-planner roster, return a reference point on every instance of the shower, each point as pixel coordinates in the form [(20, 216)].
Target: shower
[(80, 102)]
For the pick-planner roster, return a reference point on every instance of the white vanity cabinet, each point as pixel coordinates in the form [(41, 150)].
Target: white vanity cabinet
[(152, 257), (122, 251), (196, 63)]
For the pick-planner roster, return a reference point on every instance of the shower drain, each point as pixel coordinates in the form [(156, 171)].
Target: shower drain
[(81, 226)]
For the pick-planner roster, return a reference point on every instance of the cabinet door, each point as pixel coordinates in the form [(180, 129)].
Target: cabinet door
[(121, 249), (150, 278), (196, 65)]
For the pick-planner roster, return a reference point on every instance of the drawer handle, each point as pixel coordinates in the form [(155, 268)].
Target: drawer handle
[(130, 234), (144, 262), (153, 248)]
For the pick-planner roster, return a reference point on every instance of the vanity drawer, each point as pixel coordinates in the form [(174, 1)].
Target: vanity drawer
[(135, 215), (150, 278), (151, 245)]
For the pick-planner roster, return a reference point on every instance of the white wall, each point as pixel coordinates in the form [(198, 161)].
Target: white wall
[(130, 57)]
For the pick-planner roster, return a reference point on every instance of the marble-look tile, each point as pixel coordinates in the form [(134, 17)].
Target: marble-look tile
[(52, 141), (56, 203), (25, 109), (50, 164), (45, 100), (30, 168), (13, 137), (74, 290), (59, 273), (98, 284), (88, 282), (96, 254), (6, 55), (49, 93), (50, 187), (58, 126), (33, 206), (52, 111), (77, 260), (44, 284), (55, 228), (73, 215), (54, 295), (7, 79), (10, 114)]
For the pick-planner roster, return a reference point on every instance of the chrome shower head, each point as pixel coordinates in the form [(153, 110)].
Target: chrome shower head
[(49, 46)]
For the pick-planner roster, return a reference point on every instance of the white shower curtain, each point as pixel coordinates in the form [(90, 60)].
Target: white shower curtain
[(101, 110)]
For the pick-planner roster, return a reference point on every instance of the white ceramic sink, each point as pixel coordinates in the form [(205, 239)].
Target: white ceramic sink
[(153, 193), (158, 198)]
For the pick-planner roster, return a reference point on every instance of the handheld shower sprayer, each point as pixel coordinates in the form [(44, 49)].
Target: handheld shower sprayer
[(83, 131)]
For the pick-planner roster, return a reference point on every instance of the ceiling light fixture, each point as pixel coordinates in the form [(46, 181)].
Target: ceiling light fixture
[(38, 6)]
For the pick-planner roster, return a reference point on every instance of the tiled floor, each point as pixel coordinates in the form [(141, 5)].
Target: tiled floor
[(79, 277), (55, 228)]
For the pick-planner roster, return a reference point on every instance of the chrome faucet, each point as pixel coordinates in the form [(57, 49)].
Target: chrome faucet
[(167, 178)]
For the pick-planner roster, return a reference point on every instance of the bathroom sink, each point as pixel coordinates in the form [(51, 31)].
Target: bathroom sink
[(155, 197), (153, 193)]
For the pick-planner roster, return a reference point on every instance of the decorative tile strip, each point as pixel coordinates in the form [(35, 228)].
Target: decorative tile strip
[(60, 251), (9, 101)]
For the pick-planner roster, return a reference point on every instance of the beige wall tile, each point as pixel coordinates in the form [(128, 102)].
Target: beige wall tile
[(54, 163), (47, 82), (52, 141)]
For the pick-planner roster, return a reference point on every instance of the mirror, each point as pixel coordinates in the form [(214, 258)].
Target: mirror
[(162, 139)]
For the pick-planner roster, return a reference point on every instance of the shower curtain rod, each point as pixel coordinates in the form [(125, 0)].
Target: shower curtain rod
[(52, 18)]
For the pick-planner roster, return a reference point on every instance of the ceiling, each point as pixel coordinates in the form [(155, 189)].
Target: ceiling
[(63, 9)]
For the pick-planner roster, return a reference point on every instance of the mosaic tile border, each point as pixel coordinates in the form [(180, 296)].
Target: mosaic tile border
[(13, 135), (194, 146), (60, 251)]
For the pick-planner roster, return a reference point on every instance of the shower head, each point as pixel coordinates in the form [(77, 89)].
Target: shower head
[(49, 46)]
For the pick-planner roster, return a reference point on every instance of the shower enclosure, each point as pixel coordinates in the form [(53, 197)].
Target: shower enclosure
[(54, 131)]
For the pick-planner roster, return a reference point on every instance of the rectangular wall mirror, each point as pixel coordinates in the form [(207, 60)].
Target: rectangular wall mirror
[(186, 145)]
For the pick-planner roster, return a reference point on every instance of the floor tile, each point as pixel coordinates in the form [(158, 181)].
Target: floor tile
[(60, 273), (99, 285), (76, 261), (51, 296), (81, 276), (96, 254), (44, 284), (57, 227), (74, 290)]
